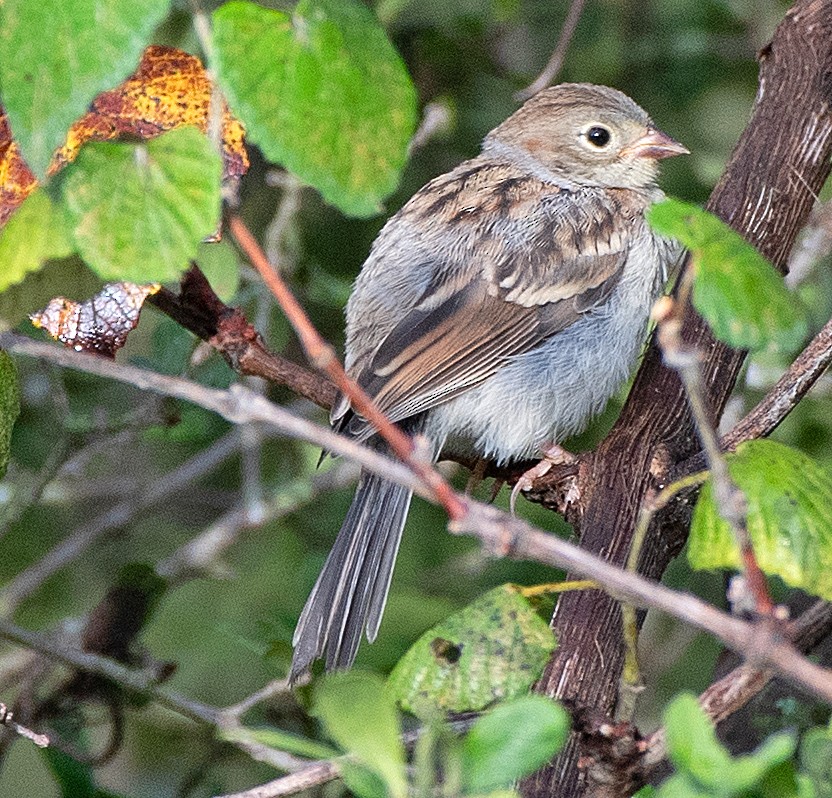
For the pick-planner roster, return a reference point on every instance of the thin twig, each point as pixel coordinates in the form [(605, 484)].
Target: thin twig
[(7, 720), (82, 538), (801, 375), (783, 397), (202, 554), (729, 499), (145, 682), (734, 690), (283, 218), (436, 117), (322, 356), (631, 683), (273, 688), (759, 643), (311, 776), (553, 67), (238, 405), (198, 309), (500, 533)]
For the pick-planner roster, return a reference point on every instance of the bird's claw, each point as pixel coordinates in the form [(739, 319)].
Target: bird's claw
[(552, 455)]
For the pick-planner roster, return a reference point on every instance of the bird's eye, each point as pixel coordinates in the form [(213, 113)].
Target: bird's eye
[(598, 136)]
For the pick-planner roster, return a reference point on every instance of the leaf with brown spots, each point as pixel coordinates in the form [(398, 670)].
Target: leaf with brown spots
[(170, 89), (490, 650), (16, 179)]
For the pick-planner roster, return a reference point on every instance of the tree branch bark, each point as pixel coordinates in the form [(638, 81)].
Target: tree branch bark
[(779, 165)]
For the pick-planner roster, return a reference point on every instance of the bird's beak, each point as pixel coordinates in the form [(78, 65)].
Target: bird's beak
[(655, 144)]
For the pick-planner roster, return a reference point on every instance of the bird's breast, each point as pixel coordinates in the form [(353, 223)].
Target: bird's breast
[(551, 392)]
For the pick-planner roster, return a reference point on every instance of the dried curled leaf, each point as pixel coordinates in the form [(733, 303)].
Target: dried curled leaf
[(170, 89), (100, 324)]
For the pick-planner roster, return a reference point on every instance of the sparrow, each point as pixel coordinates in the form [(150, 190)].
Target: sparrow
[(496, 313)]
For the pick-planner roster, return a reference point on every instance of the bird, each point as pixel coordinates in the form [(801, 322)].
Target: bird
[(497, 311)]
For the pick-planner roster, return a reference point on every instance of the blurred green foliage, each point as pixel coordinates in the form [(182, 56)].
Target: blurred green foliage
[(82, 445)]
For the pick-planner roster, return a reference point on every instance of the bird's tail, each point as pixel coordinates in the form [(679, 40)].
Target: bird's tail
[(351, 590)]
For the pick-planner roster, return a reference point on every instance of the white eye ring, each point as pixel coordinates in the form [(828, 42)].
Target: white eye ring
[(599, 136)]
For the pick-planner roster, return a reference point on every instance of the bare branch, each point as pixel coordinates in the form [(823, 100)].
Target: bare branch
[(145, 682), (7, 720), (502, 534), (198, 309), (553, 67), (238, 404), (202, 554), (311, 776), (82, 538), (732, 692), (795, 383), (775, 406), (758, 643), (729, 499)]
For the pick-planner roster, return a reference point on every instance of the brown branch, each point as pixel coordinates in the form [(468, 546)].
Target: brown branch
[(729, 499), (311, 776), (7, 720), (759, 643), (789, 135), (322, 355), (776, 405), (238, 405), (734, 690), (553, 66), (203, 553), (198, 309), (502, 534), (145, 682)]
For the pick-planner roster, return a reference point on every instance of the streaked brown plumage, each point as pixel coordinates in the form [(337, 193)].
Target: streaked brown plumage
[(498, 310)]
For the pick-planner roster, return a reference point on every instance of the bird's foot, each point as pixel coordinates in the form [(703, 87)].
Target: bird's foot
[(477, 476), (552, 455)]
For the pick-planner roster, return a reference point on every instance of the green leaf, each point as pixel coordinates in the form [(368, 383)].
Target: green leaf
[(35, 233), (691, 742), (69, 277), (284, 741), (74, 778), (493, 649), (511, 741), (789, 499), (738, 292), (360, 715), (704, 763), (361, 781), (219, 263), (55, 57), (763, 765), (682, 786), (322, 92), (140, 210), (9, 407), (816, 760)]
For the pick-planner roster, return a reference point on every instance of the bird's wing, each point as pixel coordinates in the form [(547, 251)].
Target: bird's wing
[(534, 277)]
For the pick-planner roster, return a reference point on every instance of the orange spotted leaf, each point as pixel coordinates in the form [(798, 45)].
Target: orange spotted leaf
[(100, 324), (170, 89), (16, 179)]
